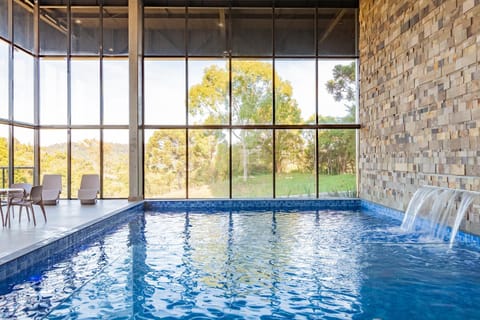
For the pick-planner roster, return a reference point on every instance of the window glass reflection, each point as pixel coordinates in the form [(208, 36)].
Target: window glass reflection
[(115, 156), (252, 90), (164, 91), (23, 34), (53, 30), (164, 31), (85, 25), (337, 91), (336, 163), (165, 164), (4, 18), (294, 91), (4, 147), (85, 80), (208, 161), (337, 32), (115, 91), (22, 86), (251, 32), (295, 163), (85, 156), (23, 155), (295, 32), (53, 155), (252, 163), (53, 91), (208, 94), (115, 31), (4, 53), (207, 31)]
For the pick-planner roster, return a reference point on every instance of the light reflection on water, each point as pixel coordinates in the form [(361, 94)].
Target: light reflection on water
[(341, 265)]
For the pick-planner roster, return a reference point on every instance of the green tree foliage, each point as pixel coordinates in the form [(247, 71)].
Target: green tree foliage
[(252, 103), (342, 87), (336, 148), (165, 162)]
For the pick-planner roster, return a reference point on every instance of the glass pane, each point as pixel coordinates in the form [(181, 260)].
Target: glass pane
[(294, 91), (336, 163), (252, 88), (115, 91), (85, 79), (208, 160), (295, 163), (4, 155), (252, 32), (53, 91), (208, 92), (295, 32), (337, 91), (115, 31), (85, 156), (85, 30), (23, 155), (53, 155), (252, 163), (53, 29), (4, 19), (4, 53), (22, 86), (207, 32), (164, 91), (165, 164), (23, 24), (164, 30), (337, 32), (115, 160)]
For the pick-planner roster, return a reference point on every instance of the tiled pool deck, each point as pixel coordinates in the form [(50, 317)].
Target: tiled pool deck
[(62, 219)]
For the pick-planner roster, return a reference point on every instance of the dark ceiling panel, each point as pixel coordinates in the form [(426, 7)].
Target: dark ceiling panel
[(255, 3)]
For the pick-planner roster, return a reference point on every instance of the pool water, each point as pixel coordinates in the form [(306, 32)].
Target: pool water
[(253, 265)]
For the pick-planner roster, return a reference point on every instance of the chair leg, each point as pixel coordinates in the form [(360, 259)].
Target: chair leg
[(33, 215), (43, 211), (7, 216), (3, 219)]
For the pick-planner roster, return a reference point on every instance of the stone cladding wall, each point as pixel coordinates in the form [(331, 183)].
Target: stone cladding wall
[(419, 99)]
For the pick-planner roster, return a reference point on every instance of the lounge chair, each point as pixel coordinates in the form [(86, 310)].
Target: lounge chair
[(89, 188), (52, 187)]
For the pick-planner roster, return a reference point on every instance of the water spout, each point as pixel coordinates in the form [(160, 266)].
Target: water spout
[(431, 207)]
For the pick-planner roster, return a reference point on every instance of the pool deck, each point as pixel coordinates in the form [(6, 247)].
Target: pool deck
[(62, 219)]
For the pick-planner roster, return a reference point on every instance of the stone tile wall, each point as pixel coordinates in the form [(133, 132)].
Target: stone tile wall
[(419, 98)]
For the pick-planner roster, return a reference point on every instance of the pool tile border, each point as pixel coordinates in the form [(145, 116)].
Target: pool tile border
[(249, 204)]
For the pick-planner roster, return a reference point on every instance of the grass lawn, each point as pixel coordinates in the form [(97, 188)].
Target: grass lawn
[(293, 185)]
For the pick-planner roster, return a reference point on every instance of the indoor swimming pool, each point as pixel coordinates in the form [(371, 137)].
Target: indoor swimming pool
[(304, 263)]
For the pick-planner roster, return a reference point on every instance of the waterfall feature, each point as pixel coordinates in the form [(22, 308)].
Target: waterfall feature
[(440, 211)]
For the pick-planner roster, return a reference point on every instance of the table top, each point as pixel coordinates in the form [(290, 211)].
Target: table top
[(8, 190)]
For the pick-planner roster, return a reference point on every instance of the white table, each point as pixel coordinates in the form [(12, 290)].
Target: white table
[(7, 193)]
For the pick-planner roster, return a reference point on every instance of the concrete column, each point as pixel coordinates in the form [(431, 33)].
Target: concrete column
[(135, 60)]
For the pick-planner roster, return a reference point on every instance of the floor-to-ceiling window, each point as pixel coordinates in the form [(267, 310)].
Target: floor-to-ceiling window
[(83, 81), (240, 98), (248, 100)]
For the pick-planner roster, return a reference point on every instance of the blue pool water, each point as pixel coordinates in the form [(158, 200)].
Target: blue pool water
[(252, 265)]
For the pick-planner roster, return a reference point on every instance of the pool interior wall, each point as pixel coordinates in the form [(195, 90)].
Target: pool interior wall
[(49, 253)]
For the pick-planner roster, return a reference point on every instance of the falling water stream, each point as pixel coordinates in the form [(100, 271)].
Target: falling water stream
[(432, 208)]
